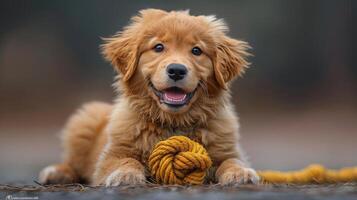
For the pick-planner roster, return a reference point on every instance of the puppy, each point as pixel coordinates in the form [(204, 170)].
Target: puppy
[(174, 72)]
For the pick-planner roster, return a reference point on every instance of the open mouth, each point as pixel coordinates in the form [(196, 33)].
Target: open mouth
[(173, 96)]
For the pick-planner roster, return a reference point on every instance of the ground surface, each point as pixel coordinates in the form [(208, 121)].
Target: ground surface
[(214, 192)]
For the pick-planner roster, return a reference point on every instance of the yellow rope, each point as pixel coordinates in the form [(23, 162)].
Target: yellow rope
[(180, 160), (311, 174)]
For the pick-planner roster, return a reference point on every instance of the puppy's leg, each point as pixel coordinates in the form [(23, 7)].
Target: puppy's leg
[(58, 174), (232, 171), (117, 166), (112, 171), (222, 140)]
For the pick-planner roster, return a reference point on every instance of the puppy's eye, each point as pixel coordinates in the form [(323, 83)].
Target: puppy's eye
[(196, 51), (159, 48)]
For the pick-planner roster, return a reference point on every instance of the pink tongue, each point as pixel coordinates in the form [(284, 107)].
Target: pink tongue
[(178, 96)]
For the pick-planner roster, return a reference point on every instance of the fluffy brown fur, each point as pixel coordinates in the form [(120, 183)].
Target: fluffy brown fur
[(109, 144)]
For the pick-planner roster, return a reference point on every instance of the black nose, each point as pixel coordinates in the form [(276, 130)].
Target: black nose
[(176, 71)]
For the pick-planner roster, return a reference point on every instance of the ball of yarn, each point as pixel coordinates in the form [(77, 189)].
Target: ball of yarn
[(179, 160)]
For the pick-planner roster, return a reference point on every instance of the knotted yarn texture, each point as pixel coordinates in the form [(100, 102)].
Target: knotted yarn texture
[(179, 160)]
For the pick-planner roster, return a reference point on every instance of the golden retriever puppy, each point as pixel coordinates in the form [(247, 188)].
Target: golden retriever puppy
[(174, 71)]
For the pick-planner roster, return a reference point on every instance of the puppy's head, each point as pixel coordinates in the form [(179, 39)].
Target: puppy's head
[(175, 58)]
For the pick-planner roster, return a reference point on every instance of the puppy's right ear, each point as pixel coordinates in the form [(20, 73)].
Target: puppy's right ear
[(122, 50)]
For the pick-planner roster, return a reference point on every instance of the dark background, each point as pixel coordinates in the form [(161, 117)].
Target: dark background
[(297, 102)]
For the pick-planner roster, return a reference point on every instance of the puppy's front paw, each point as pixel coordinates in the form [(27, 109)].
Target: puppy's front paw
[(125, 177), (241, 175)]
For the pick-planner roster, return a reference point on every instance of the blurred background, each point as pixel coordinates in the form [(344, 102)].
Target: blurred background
[(297, 103)]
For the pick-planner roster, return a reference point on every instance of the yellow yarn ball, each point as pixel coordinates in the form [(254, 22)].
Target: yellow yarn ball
[(179, 160)]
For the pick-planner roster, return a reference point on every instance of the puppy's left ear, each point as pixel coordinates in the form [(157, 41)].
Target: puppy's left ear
[(230, 59)]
